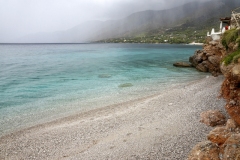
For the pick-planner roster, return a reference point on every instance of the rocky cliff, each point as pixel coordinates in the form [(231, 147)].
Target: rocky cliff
[(223, 56), (208, 59)]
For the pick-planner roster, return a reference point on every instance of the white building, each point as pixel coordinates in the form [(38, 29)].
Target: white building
[(228, 22), (216, 35)]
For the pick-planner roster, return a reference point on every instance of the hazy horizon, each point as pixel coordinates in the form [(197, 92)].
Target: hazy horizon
[(19, 18)]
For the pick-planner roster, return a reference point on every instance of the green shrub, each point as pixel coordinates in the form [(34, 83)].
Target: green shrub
[(235, 58), (229, 36), (231, 57), (238, 42)]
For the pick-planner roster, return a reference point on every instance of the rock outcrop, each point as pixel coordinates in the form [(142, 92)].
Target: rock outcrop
[(223, 141), (232, 148), (208, 59), (182, 64), (205, 151), (212, 118), (231, 91), (219, 135)]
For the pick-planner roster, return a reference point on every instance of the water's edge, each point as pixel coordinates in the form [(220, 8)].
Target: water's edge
[(41, 83)]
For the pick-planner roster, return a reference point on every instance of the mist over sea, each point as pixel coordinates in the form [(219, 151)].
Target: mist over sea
[(43, 82)]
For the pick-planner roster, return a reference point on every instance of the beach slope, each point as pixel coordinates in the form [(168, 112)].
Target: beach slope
[(164, 126)]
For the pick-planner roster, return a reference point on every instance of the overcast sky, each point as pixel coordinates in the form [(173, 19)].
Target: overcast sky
[(21, 17)]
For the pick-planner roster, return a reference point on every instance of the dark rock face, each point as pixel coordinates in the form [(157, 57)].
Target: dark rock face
[(208, 59), (182, 64), (201, 68), (196, 58), (214, 60)]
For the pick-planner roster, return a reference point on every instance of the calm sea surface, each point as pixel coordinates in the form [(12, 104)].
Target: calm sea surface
[(42, 82)]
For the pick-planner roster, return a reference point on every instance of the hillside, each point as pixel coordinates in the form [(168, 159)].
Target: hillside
[(200, 18), (178, 23)]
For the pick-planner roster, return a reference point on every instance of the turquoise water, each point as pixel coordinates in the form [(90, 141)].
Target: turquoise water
[(42, 82)]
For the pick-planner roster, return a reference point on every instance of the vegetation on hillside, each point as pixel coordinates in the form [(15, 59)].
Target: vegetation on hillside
[(189, 30), (233, 57), (170, 35), (231, 36), (183, 24)]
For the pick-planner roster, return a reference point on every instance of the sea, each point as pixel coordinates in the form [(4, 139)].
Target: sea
[(43, 82)]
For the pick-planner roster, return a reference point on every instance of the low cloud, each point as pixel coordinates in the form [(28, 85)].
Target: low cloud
[(22, 17)]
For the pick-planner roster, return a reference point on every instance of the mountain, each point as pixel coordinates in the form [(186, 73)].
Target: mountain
[(198, 15)]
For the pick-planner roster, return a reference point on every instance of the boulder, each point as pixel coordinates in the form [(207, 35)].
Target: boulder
[(197, 58), (193, 61), (204, 57), (209, 54), (201, 68), (234, 112), (208, 59), (204, 151), (232, 148), (219, 135), (212, 118), (182, 64), (215, 60), (210, 66), (231, 125)]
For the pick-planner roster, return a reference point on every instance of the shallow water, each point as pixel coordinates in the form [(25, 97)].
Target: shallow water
[(42, 82)]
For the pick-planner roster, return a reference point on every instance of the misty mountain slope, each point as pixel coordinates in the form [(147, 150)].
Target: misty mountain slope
[(194, 14), (73, 35), (149, 20), (209, 15)]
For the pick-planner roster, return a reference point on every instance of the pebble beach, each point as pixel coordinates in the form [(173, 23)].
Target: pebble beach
[(163, 126)]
